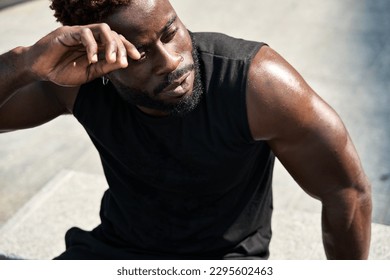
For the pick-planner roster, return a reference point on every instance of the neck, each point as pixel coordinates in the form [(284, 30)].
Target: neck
[(152, 112)]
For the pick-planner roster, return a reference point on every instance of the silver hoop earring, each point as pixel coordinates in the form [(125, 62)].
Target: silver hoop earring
[(105, 80)]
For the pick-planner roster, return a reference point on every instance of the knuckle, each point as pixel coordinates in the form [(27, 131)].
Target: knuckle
[(85, 31), (62, 30), (92, 47), (104, 26), (122, 49), (113, 43)]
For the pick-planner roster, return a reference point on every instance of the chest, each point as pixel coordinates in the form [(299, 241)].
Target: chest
[(190, 154)]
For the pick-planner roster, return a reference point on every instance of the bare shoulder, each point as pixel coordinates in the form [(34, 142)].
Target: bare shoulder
[(303, 131), (279, 101)]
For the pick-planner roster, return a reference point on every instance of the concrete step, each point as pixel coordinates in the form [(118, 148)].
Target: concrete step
[(37, 230), (73, 199), (297, 236)]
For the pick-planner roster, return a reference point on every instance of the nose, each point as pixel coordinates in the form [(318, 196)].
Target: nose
[(166, 61)]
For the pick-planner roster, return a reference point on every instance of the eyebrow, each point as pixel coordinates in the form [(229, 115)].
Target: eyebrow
[(162, 31), (169, 23)]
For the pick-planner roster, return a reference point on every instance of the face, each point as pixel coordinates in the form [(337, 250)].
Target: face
[(166, 78)]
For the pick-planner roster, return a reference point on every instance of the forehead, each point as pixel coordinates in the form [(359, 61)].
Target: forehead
[(141, 18)]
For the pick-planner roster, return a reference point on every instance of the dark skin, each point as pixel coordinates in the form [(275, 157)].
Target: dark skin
[(141, 45)]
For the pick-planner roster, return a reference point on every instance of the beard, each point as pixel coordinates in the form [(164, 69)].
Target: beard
[(182, 107)]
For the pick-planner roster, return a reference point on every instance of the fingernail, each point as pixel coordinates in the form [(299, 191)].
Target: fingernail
[(113, 56), (124, 60), (94, 58)]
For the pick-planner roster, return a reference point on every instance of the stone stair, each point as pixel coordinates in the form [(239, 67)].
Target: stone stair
[(72, 198)]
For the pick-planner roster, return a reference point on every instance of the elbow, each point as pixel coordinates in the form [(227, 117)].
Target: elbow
[(364, 192)]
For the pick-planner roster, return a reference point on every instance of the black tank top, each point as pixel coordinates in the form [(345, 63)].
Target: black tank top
[(192, 187)]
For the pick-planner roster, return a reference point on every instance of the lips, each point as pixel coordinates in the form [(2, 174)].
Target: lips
[(177, 86)]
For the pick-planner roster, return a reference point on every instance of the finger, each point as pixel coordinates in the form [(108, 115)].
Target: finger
[(114, 52), (88, 40), (109, 40), (121, 50), (131, 50)]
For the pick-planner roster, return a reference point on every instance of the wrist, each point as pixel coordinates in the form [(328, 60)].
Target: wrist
[(22, 64)]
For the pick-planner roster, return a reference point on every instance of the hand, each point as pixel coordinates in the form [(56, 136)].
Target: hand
[(70, 55)]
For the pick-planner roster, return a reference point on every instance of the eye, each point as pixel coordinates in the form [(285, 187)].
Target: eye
[(143, 53), (169, 36)]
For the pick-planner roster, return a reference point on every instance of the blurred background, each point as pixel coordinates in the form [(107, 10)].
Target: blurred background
[(341, 48)]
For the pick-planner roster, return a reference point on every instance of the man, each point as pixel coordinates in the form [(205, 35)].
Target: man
[(187, 126)]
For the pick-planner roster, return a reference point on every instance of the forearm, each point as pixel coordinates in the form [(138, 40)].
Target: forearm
[(14, 73), (346, 224)]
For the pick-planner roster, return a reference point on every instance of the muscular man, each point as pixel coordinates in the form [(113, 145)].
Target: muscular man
[(187, 126)]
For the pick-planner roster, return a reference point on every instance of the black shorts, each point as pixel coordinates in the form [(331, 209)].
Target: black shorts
[(93, 245)]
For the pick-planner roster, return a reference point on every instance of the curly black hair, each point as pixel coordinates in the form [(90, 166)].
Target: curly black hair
[(81, 12)]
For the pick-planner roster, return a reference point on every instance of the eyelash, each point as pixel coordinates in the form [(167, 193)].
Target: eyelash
[(164, 40), (170, 36)]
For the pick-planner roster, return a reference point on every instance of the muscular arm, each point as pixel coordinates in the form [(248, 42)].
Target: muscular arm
[(311, 141), (23, 101), (40, 82)]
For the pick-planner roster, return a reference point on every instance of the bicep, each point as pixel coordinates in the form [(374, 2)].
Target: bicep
[(34, 105), (319, 154), (304, 132)]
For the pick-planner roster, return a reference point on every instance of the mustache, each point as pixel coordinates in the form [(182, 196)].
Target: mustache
[(171, 77)]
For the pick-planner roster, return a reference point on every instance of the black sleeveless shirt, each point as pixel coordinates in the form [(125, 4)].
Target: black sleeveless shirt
[(191, 187)]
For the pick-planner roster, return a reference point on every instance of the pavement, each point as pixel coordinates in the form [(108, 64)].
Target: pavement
[(51, 178), (8, 3)]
